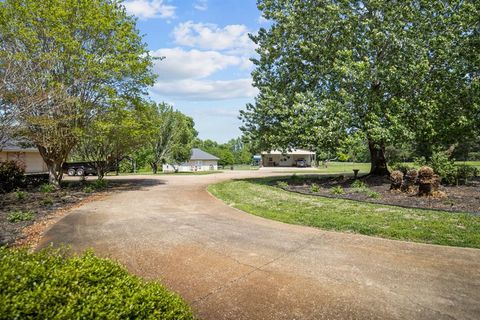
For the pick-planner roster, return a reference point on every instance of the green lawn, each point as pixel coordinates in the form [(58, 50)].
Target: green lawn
[(336, 167), (258, 197)]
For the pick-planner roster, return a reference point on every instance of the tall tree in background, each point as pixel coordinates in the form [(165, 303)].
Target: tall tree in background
[(172, 137), (83, 55), (389, 69)]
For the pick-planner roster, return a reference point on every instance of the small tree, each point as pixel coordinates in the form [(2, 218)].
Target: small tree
[(112, 135), (172, 137)]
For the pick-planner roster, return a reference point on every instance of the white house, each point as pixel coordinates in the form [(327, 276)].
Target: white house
[(293, 158), (28, 156), (199, 161)]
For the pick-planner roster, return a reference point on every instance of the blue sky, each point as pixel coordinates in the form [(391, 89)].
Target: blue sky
[(206, 70)]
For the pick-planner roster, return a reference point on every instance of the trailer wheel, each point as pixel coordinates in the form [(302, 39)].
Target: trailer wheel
[(80, 172), (71, 172)]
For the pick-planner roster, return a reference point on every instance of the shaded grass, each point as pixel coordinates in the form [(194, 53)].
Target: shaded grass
[(259, 197)]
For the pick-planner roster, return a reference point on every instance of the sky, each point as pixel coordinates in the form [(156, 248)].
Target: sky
[(206, 69)]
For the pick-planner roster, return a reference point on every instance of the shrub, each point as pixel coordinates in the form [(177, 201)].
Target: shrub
[(20, 195), (47, 285), (100, 184), (88, 189), (17, 216), (314, 188), (47, 188), (337, 190), (11, 176), (358, 184), (402, 167), (444, 167), (282, 184), (465, 172)]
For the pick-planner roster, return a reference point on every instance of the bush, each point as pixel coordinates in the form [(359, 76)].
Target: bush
[(47, 285), (17, 216), (402, 167), (100, 184), (11, 176), (444, 167), (314, 188), (337, 190), (20, 195), (88, 189), (358, 184), (282, 184), (465, 172), (47, 188)]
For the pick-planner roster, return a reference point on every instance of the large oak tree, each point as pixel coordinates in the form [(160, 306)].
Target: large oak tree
[(392, 70)]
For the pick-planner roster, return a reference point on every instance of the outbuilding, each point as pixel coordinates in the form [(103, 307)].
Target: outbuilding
[(292, 158), (199, 161), (27, 156)]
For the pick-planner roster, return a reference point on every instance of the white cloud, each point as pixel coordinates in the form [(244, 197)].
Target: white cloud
[(150, 9), (262, 20), (191, 64), (195, 90), (210, 36), (201, 5)]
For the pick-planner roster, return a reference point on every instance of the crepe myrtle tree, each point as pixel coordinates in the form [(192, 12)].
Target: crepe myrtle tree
[(389, 69), (83, 56), (113, 134)]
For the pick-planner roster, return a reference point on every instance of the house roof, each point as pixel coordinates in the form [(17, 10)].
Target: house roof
[(293, 151), (18, 146), (198, 154)]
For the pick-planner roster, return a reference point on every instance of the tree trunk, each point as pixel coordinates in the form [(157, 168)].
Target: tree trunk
[(378, 161), (154, 167), (54, 166), (55, 173)]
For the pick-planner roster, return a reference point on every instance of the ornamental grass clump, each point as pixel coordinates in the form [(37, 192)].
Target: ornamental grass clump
[(428, 181), (396, 179), (409, 181)]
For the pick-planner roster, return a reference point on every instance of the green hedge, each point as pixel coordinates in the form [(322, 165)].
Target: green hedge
[(47, 285)]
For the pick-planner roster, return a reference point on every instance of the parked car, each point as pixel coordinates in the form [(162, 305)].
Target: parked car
[(301, 163), (79, 168)]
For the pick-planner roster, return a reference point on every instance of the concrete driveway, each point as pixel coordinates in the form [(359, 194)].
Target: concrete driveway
[(231, 265)]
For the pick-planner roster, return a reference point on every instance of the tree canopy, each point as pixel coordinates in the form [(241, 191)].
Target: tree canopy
[(388, 70), (81, 57)]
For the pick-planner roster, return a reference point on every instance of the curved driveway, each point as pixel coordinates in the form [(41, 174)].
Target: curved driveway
[(231, 265)]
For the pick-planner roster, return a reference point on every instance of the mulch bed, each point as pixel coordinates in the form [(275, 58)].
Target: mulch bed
[(464, 198), (50, 207)]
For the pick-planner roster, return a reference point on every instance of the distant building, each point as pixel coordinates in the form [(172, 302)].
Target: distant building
[(293, 158), (28, 156), (199, 161)]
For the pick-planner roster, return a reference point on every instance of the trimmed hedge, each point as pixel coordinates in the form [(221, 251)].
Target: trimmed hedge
[(47, 285)]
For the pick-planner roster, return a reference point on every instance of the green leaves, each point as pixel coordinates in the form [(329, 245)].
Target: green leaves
[(395, 70)]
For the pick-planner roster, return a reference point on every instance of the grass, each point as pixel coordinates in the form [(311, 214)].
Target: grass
[(259, 197), (336, 167), (50, 285)]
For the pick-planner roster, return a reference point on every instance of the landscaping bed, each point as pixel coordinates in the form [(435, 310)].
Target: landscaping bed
[(24, 213), (465, 198)]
